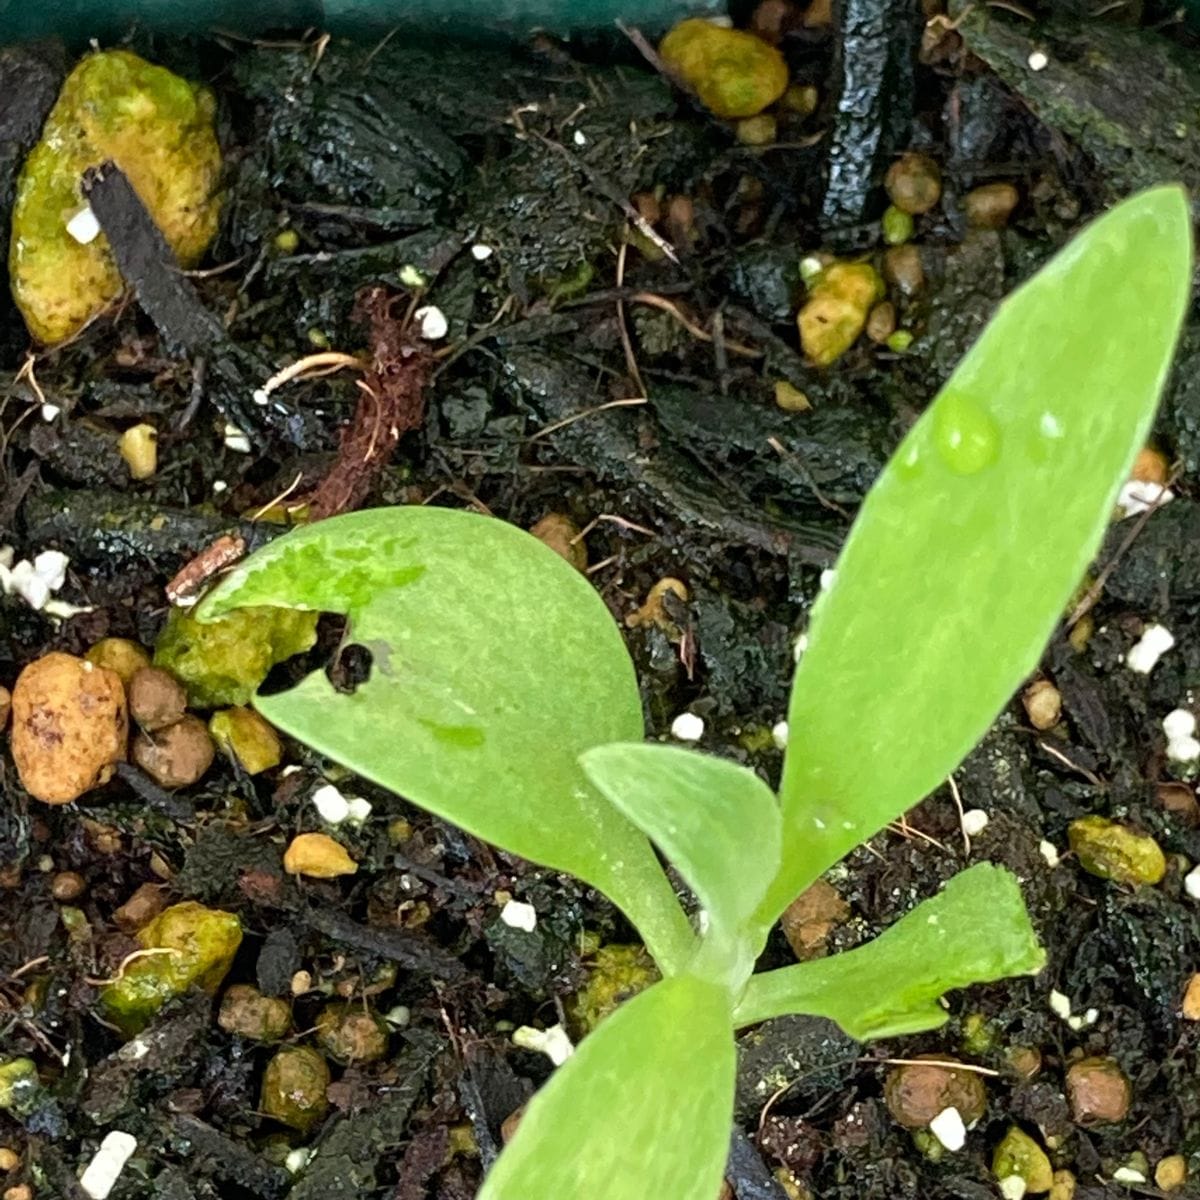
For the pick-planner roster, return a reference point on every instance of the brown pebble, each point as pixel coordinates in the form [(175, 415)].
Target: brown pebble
[(916, 1092), (648, 206), (156, 698), (1179, 800), (914, 183), (1171, 1173), (681, 220), (654, 610), (1191, 999), (103, 839), (245, 1011), (990, 206), (819, 14), (318, 856), (562, 535), (140, 909), (69, 727), (1026, 1061), (1150, 466), (881, 323), (160, 867), (772, 19), (508, 1127), (5, 706), (1098, 1091), (10, 1160), (176, 756), (759, 130), (21, 1192), (121, 655), (903, 270), (1062, 1186), (810, 918), (1043, 704), (67, 885), (350, 1033), (10, 877)]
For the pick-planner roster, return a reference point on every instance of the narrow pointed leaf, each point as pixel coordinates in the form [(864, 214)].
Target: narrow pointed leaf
[(494, 666), (716, 821), (642, 1109), (969, 545), (974, 931)]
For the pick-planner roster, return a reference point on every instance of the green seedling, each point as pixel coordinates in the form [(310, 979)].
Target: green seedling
[(501, 697)]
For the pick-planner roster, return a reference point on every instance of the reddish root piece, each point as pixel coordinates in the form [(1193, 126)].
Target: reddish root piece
[(193, 578), (392, 402)]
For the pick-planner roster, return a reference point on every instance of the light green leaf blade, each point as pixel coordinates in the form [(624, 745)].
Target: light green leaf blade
[(972, 540), (975, 930), (716, 821), (643, 1109), (495, 665)]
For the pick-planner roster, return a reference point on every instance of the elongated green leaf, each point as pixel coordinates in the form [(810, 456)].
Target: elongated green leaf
[(494, 666), (974, 931), (643, 1108), (716, 821), (969, 545)]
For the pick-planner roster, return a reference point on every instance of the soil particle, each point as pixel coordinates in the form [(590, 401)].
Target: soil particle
[(1099, 1091), (294, 1087), (810, 1054), (177, 755), (1113, 851), (69, 727), (156, 698), (141, 908), (809, 919), (67, 886), (351, 1034), (917, 1092), (318, 856)]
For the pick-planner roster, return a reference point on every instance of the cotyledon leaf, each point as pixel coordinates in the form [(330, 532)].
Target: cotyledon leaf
[(642, 1109), (494, 666), (969, 545), (975, 930), (716, 821)]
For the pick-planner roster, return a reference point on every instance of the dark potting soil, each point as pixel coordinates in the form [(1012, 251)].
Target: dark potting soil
[(406, 155)]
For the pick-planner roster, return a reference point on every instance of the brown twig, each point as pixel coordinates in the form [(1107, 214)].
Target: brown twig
[(930, 1062), (1090, 776), (611, 193), (149, 952), (695, 330), (554, 426), (958, 804), (193, 577), (1090, 597), (810, 482), (631, 364)]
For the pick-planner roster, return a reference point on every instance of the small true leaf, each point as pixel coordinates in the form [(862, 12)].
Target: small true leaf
[(970, 543), (642, 1109), (974, 931), (494, 666), (716, 821)]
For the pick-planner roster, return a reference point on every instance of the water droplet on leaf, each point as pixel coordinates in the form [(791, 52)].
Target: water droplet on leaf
[(1051, 426), (966, 437), (908, 463)]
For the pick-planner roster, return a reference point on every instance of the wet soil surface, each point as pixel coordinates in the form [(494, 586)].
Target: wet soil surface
[(504, 177)]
